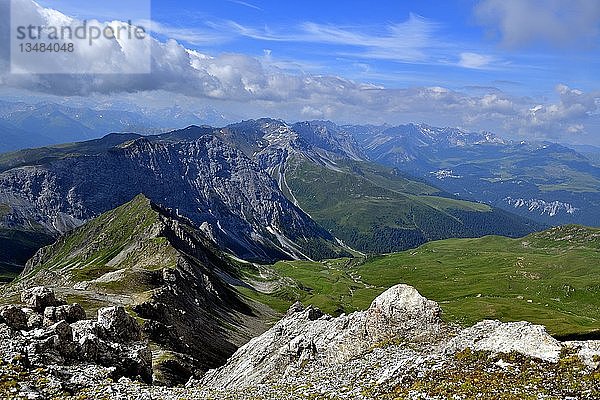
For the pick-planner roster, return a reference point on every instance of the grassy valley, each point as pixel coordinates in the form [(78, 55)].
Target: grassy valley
[(549, 278)]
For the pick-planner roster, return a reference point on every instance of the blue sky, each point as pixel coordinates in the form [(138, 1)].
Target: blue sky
[(303, 35), (519, 67)]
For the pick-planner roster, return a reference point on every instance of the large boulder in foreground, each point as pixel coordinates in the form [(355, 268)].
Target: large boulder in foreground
[(401, 312), (118, 325), (14, 317), (304, 335)]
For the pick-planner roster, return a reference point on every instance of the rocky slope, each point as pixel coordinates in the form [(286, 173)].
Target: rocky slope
[(271, 141), (214, 185), (164, 271), (401, 348), (48, 332), (398, 348)]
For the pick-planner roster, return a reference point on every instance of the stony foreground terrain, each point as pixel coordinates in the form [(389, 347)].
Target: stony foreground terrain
[(397, 349)]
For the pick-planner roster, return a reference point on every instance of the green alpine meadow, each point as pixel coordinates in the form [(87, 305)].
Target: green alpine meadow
[(548, 278)]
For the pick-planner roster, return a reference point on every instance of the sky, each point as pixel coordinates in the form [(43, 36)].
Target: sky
[(519, 68)]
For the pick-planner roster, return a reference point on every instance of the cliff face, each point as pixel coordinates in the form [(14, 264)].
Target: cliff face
[(214, 185)]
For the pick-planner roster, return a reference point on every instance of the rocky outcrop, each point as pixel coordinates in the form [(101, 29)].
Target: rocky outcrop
[(14, 317), (401, 336), (154, 263), (306, 334), (497, 337), (67, 312), (117, 325), (60, 335), (39, 298), (401, 312)]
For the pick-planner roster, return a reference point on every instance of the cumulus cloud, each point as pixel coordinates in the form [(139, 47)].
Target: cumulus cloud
[(572, 111), (251, 87), (173, 68), (561, 23)]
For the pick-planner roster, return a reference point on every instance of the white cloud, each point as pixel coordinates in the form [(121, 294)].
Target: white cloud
[(562, 23), (474, 60), (569, 115), (245, 4), (251, 87), (407, 41)]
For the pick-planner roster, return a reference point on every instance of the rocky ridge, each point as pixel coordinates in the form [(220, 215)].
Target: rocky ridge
[(168, 274), (270, 141), (398, 348)]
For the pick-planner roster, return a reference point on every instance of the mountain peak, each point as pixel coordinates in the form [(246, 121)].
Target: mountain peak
[(141, 199), (101, 245)]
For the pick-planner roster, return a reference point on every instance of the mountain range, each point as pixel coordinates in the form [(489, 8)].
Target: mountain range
[(262, 189), (25, 125), (544, 181), (549, 183), (265, 189), (189, 245), (370, 207)]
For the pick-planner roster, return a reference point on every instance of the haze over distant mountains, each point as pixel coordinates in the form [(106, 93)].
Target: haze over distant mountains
[(24, 125)]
